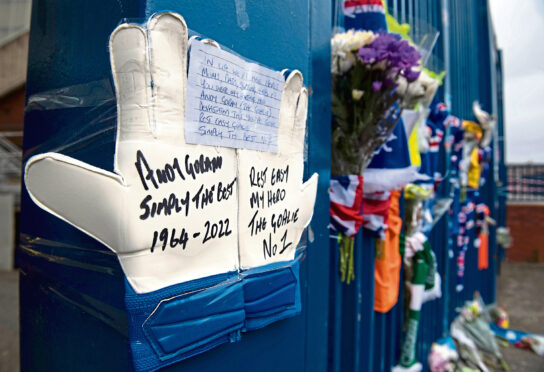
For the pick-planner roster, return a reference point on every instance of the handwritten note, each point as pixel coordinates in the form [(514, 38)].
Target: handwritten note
[(270, 210), (231, 102)]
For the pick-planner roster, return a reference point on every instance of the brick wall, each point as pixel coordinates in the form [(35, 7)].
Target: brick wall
[(13, 63), (526, 222), (12, 109)]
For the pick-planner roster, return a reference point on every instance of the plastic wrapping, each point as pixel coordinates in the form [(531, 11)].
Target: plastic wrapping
[(172, 318), (424, 36)]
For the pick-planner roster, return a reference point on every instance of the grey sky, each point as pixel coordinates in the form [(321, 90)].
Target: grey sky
[(519, 26)]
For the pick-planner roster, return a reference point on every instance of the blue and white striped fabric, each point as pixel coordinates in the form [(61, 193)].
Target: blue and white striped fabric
[(364, 15)]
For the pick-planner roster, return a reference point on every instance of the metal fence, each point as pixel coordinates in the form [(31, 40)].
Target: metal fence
[(10, 163), (525, 183), (361, 339)]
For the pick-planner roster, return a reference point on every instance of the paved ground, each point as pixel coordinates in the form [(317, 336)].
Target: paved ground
[(9, 321), (520, 292)]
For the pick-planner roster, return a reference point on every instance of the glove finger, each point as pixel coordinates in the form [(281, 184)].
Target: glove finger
[(288, 107), (299, 129), (77, 193), (130, 69), (167, 34)]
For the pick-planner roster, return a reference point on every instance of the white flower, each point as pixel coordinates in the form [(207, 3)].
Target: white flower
[(416, 90), (347, 63), (339, 53), (341, 64), (339, 45), (422, 90), (429, 84), (351, 41), (356, 94), (359, 39), (402, 84), (344, 46), (431, 91), (334, 66)]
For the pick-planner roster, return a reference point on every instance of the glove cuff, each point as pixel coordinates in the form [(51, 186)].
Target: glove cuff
[(180, 321)]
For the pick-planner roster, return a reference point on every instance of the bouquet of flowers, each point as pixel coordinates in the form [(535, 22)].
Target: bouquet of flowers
[(366, 106)]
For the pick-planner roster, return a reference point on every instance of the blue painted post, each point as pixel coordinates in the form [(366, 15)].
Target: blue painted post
[(336, 314), (72, 310), (365, 300), (502, 182)]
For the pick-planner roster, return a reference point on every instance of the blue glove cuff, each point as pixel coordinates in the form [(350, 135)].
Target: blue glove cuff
[(271, 293), (184, 320)]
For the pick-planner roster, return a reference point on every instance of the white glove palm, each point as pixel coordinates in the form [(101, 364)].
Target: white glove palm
[(145, 211)]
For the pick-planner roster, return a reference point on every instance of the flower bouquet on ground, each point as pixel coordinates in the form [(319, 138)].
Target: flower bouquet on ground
[(366, 68)]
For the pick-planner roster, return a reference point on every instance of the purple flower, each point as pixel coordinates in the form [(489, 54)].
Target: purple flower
[(399, 54), (411, 75), (376, 86), (367, 55)]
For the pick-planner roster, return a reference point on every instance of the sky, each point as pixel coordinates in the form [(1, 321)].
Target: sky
[(519, 28)]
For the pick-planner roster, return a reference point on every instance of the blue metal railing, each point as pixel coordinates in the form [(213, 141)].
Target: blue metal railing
[(359, 338)]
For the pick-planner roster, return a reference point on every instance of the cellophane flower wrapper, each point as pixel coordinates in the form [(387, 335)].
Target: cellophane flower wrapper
[(423, 37)]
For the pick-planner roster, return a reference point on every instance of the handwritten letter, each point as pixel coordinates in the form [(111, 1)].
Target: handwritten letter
[(231, 102)]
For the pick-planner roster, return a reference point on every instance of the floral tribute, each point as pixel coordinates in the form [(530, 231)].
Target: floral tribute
[(366, 105)]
